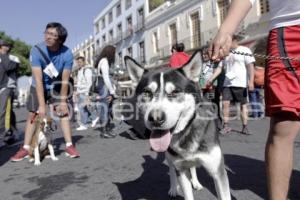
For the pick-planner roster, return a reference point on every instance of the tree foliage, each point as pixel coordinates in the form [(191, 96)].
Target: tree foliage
[(20, 49), (154, 4)]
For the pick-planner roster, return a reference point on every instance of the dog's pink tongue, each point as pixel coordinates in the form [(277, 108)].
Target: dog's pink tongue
[(160, 142)]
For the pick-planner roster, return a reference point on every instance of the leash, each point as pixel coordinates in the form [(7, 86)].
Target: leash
[(266, 57), (270, 57), (33, 117)]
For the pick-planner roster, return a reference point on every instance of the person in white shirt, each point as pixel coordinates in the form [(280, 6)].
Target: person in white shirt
[(237, 69), (107, 92), (282, 84), (84, 82)]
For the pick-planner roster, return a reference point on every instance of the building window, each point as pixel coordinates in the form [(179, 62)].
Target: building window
[(120, 58), (97, 27), (118, 11), (103, 39), (110, 17), (196, 32), (129, 51), (97, 43), (173, 33), (127, 4), (129, 26), (223, 6), (142, 52), (119, 31), (103, 22), (155, 42), (111, 35), (264, 6), (140, 18)]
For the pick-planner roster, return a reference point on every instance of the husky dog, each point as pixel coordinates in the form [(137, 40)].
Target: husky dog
[(40, 145), (182, 124)]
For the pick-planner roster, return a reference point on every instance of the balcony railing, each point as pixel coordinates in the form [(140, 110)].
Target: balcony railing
[(128, 33), (139, 26)]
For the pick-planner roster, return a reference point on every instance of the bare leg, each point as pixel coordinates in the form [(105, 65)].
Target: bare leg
[(29, 130), (66, 129), (226, 106), (279, 156), (244, 114)]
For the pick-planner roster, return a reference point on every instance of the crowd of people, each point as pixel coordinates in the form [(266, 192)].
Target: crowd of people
[(231, 77)]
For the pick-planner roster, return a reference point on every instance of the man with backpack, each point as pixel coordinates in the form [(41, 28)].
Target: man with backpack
[(51, 65), (84, 84)]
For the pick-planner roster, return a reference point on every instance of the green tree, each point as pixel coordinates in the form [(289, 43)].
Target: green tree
[(154, 4), (20, 49)]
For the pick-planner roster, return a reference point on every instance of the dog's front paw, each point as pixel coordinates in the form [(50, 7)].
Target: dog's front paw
[(37, 163), (54, 158), (196, 185), (173, 191)]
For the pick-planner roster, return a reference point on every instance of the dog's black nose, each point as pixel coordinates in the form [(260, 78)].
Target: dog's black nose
[(157, 117)]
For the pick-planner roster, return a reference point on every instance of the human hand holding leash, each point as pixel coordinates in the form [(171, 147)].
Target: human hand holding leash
[(220, 46), (42, 111)]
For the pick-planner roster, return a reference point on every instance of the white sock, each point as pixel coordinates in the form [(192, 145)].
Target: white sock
[(27, 147), (68, 144)]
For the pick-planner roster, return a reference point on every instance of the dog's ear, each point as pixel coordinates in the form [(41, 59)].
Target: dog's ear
[(193, 67), (135, 70)]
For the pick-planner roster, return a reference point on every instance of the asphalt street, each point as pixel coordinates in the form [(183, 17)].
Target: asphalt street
[(126, 169)]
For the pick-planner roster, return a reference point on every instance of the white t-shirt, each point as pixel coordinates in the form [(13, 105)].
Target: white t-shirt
[(236, 69), (283, 13), (84, 80)]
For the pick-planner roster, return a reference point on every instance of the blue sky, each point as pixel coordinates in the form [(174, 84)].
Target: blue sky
[(26, 19)]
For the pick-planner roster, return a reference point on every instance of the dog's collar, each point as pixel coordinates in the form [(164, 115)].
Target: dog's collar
[(172, 152)]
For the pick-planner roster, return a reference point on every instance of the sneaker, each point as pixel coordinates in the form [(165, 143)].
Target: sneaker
[(20, 155), (72, 152), (81, 128), (94, 122), (225, 130), (246, 131)]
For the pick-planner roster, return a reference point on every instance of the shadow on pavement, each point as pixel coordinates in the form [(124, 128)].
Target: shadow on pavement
[(249, 174), (244, 173), (7, 152), (61, 141), (153, 184)]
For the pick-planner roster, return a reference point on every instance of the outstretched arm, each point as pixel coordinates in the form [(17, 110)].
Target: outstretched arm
[(220, 46)]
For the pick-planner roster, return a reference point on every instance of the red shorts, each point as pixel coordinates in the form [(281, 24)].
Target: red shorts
[(282, 77)]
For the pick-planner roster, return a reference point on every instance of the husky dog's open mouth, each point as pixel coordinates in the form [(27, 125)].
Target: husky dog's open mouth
[(160, 140)]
